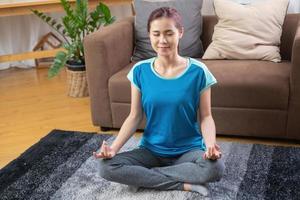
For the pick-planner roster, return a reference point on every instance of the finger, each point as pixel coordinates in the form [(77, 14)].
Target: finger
[(103, 142), (110, 151), (216, 152), (102, 146), (106, 150), (210, 151), (207, 155), (219, 152), (213, 151), (101, 155), (214, 157), (220, 155), (204, 156), (217, 147), (97, 155)]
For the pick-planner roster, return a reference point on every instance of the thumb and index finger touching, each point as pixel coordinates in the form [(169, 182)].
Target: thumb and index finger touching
[(103, 150)]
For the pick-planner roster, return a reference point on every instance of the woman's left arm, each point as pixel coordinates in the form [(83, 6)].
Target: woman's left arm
[(208, 127), (207, 123)]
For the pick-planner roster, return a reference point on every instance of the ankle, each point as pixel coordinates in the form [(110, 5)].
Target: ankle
[(200, 188), (187, 187)]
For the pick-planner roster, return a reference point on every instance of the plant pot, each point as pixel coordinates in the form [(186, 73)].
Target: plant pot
[(77, 81)]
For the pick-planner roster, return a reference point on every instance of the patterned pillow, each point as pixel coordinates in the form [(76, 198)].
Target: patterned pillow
[(189, 45), (247, 31)]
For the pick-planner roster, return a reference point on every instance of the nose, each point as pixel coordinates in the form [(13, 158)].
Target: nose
[(162, 39)]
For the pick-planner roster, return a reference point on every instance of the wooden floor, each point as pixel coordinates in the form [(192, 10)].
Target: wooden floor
[(31, 106)]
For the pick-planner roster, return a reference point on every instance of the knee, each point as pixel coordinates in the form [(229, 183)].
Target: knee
[(106, 168), (217, 170)]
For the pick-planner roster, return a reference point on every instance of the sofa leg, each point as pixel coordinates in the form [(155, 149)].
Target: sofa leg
[(102, 128)]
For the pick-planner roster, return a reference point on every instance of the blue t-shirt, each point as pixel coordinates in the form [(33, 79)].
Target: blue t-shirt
[(170, 106)]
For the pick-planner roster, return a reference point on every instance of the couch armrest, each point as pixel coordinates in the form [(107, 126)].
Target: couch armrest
[(106, 52), (293, 127)]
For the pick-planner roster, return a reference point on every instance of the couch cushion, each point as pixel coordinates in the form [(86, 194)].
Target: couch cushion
[(289, 29), (250, 83), (241, 84), (249, 31), (189, 45)]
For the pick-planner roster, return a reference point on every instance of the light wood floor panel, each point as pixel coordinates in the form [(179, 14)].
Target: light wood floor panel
[(32, 105)]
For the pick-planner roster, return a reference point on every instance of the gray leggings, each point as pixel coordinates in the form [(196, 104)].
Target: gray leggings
[(141, 168)]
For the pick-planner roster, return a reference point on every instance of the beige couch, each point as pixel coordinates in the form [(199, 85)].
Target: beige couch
[(252, 97)]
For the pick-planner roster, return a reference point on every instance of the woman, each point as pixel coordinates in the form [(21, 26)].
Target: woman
[(173, 153)]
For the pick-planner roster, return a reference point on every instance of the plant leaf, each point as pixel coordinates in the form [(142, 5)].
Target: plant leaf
[(59, 62), (105, 10)]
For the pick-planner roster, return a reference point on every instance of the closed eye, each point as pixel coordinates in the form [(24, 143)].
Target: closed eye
[(168, 34)]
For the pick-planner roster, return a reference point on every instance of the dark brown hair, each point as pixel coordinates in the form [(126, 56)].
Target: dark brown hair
[(167, 12)]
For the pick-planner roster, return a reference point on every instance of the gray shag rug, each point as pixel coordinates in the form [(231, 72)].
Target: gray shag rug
[(61, 166)]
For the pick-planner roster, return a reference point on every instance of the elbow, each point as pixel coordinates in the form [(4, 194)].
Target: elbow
[(206, 117), (136, 117)]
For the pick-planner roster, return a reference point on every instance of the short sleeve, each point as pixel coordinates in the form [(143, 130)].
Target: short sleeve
[(208, 79), (133, 77)]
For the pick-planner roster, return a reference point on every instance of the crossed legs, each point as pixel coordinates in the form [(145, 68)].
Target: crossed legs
[(141, 168)]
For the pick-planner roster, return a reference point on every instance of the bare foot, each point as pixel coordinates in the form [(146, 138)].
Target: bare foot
[(201, 189), (187, 187)]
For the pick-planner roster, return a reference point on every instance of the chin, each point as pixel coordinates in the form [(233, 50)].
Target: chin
[(164, 53)]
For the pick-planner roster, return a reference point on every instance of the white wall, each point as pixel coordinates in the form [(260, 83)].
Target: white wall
[(21, 33)]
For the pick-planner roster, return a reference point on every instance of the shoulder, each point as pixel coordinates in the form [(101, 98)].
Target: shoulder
[(202, 70), (139, 68), (198, 65), (143, 63)]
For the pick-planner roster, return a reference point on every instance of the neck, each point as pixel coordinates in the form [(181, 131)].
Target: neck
[(169, 61)]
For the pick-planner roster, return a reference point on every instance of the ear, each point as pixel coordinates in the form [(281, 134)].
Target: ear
[(181, 33)]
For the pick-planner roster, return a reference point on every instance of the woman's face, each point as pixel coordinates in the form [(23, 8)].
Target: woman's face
[(164, 36)]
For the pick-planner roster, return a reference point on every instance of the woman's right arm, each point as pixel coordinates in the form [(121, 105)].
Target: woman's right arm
[(132, 121)]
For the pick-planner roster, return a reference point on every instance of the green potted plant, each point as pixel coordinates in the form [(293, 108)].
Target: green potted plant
[(74, 26)]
